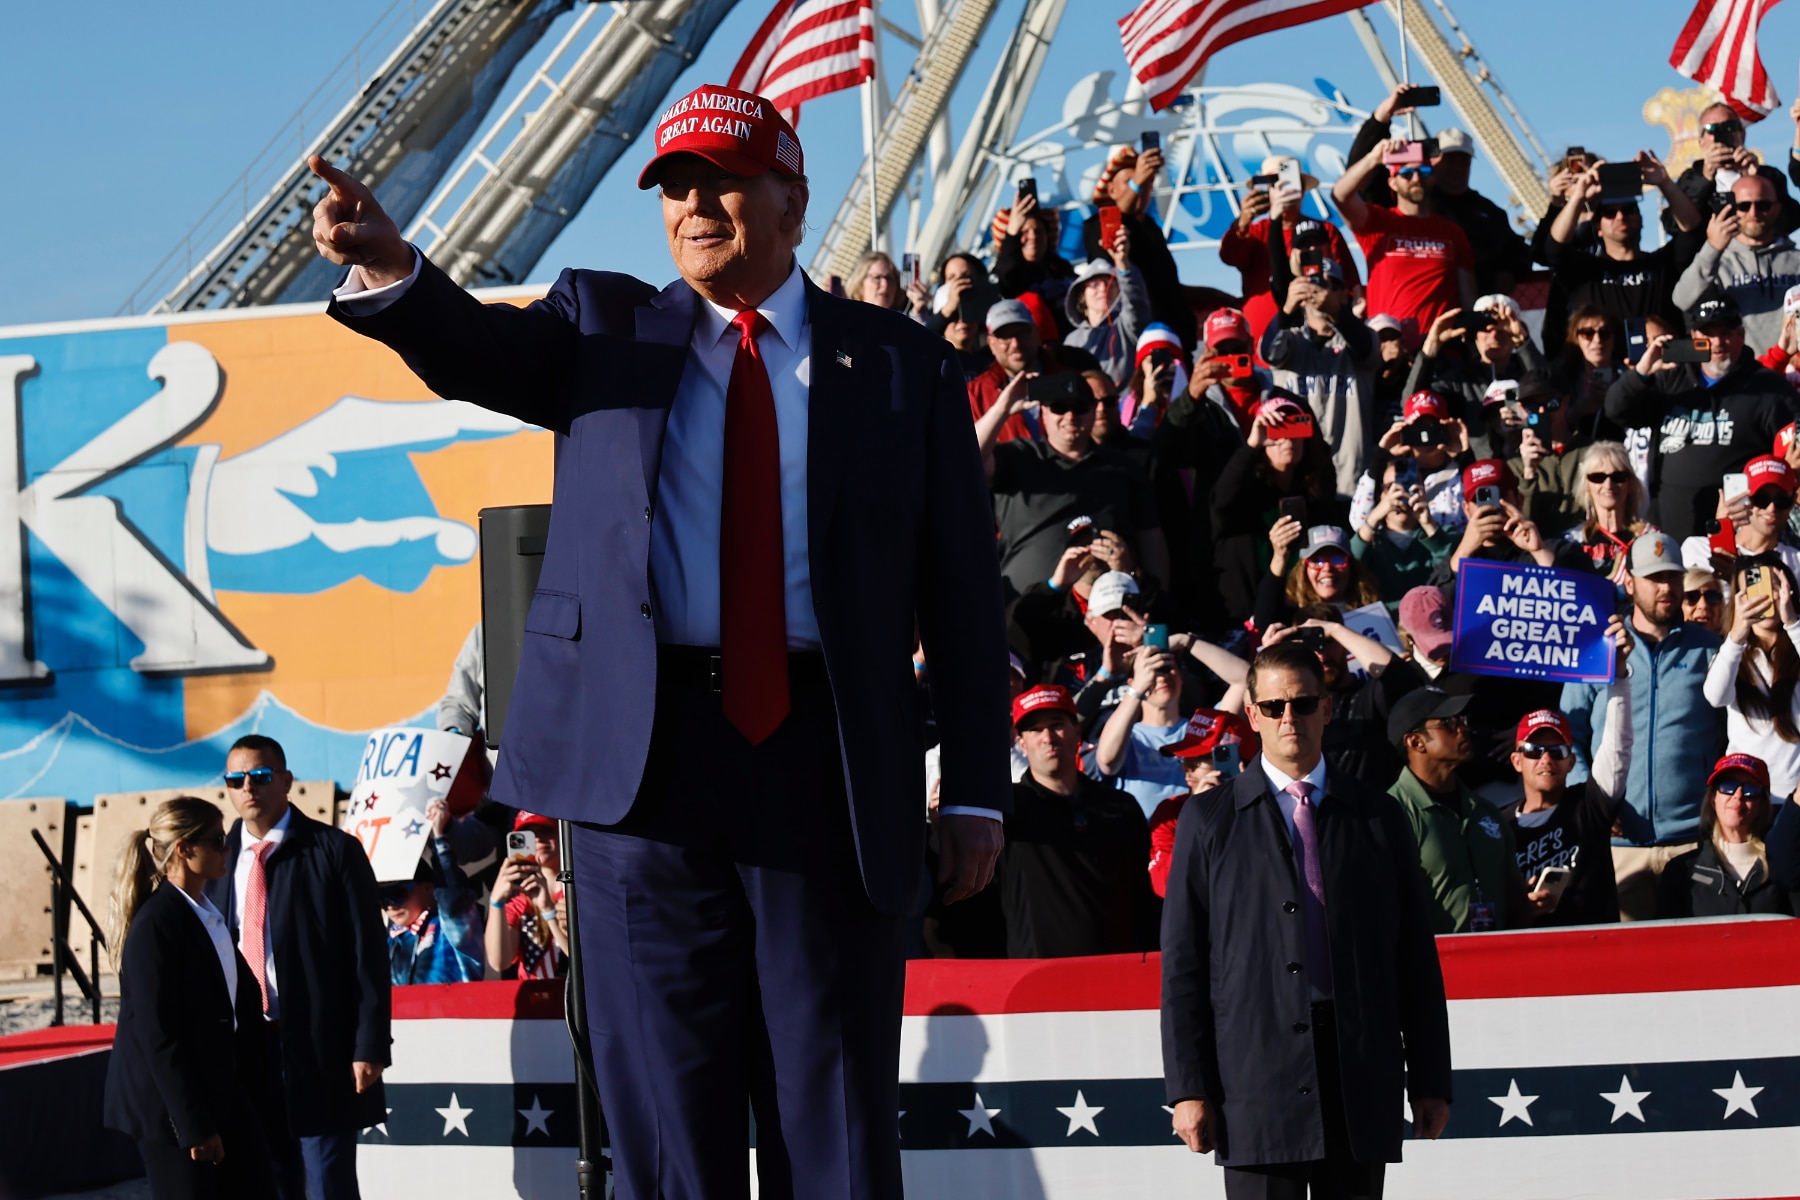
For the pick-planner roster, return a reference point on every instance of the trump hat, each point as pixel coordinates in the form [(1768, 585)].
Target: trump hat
[(1050, 696), (1484, 472), (741, 132), (1224, 324), (1545, 718), (531, 820), (1747, 764), (1428, 405), (1209, 729), (1764, 471), (1784, 439)]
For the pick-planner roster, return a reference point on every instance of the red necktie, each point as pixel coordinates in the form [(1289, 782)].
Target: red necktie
[(752, 579), (255, 919)]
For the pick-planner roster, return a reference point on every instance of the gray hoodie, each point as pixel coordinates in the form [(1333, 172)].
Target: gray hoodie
[(1114, 343), (1757, 277)]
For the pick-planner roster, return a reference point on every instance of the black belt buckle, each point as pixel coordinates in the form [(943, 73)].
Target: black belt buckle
[(715, 677)]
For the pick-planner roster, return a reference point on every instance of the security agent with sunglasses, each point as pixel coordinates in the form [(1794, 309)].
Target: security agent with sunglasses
[(1723, 154), (1465, 849), (1710, 418), (1568, 827), (1749, 257), (1301, 990), (302, 901)]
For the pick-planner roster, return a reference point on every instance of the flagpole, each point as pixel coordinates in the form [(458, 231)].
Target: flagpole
[(868, 115)]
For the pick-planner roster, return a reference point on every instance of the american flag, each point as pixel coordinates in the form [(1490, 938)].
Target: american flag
[(1658, 1061), (1168, 41), (1717, 48), (808, 48)]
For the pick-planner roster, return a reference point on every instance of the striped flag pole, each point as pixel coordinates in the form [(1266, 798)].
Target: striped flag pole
[(868, 116)]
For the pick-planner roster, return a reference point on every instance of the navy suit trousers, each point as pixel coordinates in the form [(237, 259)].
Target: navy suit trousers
[(735, 966)]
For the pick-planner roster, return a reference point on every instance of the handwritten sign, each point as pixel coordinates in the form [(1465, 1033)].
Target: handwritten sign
[(402, 771), (1532, 622)]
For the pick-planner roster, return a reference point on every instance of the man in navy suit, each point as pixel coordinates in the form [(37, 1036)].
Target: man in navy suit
[(1301, 989), (761, 493)]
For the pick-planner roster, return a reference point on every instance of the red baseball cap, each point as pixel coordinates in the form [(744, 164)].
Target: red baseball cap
[(1425, 404), (1784, 440), (1484, 472), (1223, 324), (531, 820), (1545, 718), (1765, 471), (1209, 729), (739, 131), (1045, 695), (1749, 764)]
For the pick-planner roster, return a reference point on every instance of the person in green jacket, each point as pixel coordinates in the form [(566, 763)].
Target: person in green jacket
[(1465, 848), (1399, 541)]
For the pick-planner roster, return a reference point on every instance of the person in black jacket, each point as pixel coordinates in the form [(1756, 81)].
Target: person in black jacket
[(322, 950), (1722, 150), (1731, 873), (187, 1074), (1301, 989)]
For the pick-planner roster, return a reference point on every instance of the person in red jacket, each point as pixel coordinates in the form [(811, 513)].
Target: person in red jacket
[(1017, 347), (1246, 243), (1210, 753)]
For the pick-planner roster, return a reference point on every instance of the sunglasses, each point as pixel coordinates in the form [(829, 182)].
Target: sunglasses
[(1717, 127), (1772, 498), (1329, 559), (261, 775), (1592, 332), (1413, 173), (1535, 751), (393, 895), (1759, 207), (1614, 477), (1710, 595), (215, 842), (1304, 706), (1453, 724), (1607, 212), (1731, 787)]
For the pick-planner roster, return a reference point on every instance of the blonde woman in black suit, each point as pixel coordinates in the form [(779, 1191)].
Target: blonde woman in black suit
[(186, 1071)]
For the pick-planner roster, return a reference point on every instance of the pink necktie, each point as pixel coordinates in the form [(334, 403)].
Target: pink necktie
[(255, 919), (1306, 831)]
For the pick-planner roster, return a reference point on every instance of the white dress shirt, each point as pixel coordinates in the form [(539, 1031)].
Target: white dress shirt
[(1278, 783), (220, 933), (684, 539), (240, 880)]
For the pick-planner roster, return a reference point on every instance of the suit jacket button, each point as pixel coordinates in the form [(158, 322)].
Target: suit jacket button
[(646, 514), (1300, 1027), (1287, 906), (1293, 968), (1305, 1091), (645, 609)]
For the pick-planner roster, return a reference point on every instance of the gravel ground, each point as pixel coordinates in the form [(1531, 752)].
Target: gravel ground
[(19, 1014)]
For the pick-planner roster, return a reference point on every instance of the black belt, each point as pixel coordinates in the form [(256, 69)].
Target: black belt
[(704, 667)]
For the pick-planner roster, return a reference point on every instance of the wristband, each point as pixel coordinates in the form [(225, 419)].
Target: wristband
[(1133, 185), (1132, 692), (1051, 584), (498, 903), (1102, 673)]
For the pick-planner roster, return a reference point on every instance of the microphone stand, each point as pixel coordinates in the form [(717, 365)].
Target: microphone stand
[(593, 1174)]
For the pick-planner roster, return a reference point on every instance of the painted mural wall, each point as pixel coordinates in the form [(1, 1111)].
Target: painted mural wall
[(212, 526)]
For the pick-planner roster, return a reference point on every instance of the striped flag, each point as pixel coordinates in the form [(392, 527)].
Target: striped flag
[(808, 48), (1168, 41), (1717, 48)]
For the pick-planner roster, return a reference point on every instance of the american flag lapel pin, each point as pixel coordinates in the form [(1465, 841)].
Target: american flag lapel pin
[(843, 360)]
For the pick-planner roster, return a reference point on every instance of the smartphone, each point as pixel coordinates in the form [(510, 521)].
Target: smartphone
[(1474, 321), (1262, 183), (909, 263), (1061, 386), (1423, 433), (1637, 340), (1028, 187), (1242, 365), (1226, 759), (1721, 539), (1418, 97), (1293, 506), (521, 844), (1312, 257), (1111, 221), (1312, 637), (1410, 155), (1487, 496), (1575, 158), (1082, 531), (1150, 140), (1621, 183), (1687, 350), (1292, 427), (1734, 485), (1156, 636), (1759, 580), (1554, 880), (836, 286), (1289, 176), (1161, 357)]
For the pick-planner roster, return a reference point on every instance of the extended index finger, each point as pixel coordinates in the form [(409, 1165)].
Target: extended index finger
[(343, 185)]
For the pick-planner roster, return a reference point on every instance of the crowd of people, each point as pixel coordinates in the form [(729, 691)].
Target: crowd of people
[(1177, 487)]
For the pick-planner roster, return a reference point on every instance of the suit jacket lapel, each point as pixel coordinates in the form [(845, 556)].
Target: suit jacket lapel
[(665, 327)]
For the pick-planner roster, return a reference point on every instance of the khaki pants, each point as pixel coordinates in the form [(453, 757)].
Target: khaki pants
[(1637, 868)]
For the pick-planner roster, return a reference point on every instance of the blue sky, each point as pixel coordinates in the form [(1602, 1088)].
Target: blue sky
[(124, 121)]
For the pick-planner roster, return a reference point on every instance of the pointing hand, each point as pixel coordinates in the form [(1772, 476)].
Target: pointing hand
[(350, 228)]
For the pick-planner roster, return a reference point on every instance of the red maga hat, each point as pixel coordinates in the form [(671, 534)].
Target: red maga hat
[(1209, 729), (1545, 718), (1485, 471), (1224, 324), (1047, 695), (1764, 471), (1425, 404), (1784, 439), (739, 131), (531, 820), (1748, 764)]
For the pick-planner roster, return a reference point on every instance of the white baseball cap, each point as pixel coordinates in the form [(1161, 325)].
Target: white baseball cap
[(1455, 141), (1109, 593)]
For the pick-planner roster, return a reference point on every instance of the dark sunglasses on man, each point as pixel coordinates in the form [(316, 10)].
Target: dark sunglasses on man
[(1772, 497), (1723, 129), (1537, 750), (1304, 706), (1419, 172), (255, 778), (1607, 212), (1761, 208)]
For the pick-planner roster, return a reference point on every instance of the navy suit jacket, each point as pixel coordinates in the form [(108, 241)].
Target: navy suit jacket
[(331, 971), (900, 537), (1236, 1003), (176, 1059)]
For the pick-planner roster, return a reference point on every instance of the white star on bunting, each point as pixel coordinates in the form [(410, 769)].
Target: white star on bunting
[(1512, 1104), (1738, 1098), (1625, 1101), (537, 1118), (455, 1117), (979, 1118), (1081, 1115)]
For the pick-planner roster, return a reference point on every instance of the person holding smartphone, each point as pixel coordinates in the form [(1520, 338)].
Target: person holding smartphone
[(1268, 228), (1399, 542), (1321, 350), (1756, 676), (1127, 184), (1026, 260), (528, 927), (1562, 832)]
